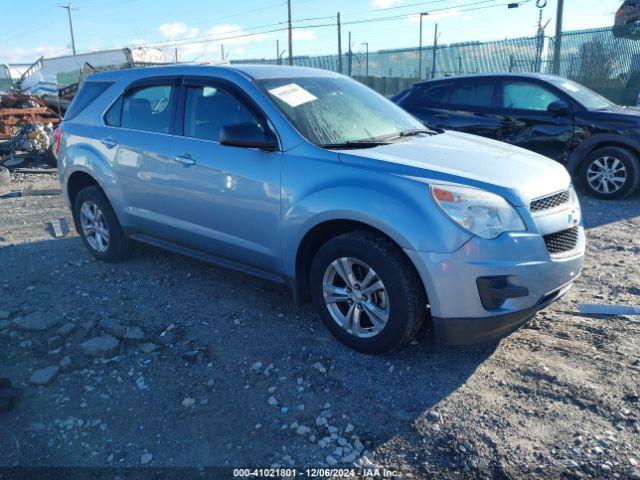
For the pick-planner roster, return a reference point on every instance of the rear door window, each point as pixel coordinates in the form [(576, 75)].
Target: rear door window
[(526, 96), (472, 94), (88, 92), (148, 109)]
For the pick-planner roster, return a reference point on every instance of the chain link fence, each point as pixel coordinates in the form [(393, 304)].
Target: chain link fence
[(604, 60)]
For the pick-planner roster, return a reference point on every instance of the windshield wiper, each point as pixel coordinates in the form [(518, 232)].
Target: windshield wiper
[(411, 132), (417, 131), (355, 144)]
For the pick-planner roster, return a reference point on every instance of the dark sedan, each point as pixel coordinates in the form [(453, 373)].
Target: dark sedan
[(597, 140)]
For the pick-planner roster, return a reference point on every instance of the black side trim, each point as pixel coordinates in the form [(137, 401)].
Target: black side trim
[(495, 290)]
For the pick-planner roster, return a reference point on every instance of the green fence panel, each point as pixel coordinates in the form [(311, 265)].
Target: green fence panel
[(606, 60)]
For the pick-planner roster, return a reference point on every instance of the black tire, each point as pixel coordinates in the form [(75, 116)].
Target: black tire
[(5, 176), (631, 168), (407, 300), (119, 246)]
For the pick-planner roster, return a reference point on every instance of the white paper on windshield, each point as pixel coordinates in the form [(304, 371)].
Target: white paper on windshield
[(293, 94), (570, 87)]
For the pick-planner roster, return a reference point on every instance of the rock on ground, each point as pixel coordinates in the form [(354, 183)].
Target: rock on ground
[(99, 346), (44, 375)]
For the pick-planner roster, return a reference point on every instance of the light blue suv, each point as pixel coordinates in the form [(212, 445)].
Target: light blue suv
[(308, 178)]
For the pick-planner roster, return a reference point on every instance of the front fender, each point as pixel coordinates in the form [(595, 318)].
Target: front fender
[(592, 142), (406, 215)]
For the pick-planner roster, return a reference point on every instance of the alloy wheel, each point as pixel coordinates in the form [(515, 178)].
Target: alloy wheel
[(606, 175), (94, 226), (356, 297)]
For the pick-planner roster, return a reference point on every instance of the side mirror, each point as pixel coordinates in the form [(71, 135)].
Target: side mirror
[(559, 107), (247, 135)]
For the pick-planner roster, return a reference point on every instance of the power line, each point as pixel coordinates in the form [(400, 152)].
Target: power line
[(213, 38)]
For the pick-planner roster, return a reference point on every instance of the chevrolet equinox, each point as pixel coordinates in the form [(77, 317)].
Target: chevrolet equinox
[(308, 178)]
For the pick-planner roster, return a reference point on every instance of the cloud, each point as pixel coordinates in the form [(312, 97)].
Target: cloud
[(206, 43), (30, 55), (454, 12), (383, 3), (303, 34), (172, 30), (177, 29), (233, 34)]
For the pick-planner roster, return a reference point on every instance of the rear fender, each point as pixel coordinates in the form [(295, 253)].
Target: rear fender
[(83, 157)]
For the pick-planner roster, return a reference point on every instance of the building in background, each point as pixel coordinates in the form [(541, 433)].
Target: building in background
[(10, 74)]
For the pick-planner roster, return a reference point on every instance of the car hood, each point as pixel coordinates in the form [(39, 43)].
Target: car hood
[(517, 174), (620, 110)]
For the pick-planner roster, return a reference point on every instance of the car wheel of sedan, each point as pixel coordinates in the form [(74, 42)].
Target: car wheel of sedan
[(98, 226), (367, 292), (610, 172)]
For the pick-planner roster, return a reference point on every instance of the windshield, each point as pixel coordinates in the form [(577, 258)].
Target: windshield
[(581, 94), (335, 110)]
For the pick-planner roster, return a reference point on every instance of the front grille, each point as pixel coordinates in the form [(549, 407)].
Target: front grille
[(562, 241), (550, 201)]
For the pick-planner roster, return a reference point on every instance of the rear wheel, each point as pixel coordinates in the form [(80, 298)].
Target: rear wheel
[(367, 292), (98, 226), (610, 172)]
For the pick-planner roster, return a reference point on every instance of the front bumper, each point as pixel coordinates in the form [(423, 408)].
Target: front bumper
[(475, 331), (451, 283)]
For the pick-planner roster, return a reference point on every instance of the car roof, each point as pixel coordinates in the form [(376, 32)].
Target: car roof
[(538, 76), (254, 72)]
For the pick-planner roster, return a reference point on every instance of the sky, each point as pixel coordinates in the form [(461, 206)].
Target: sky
[(250, 28)]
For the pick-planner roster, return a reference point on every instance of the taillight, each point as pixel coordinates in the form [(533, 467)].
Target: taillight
[(57, 139)]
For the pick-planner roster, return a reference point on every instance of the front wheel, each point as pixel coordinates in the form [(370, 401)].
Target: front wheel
[(610, 172), (367, 292)]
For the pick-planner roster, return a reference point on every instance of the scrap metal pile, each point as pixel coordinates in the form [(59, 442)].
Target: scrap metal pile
[(17, 110), (26, 129)]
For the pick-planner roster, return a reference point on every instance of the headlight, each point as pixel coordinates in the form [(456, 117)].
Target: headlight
[(482, 213), (575, 206)]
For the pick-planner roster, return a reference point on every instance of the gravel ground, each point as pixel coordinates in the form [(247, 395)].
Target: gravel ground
[(201, 367)]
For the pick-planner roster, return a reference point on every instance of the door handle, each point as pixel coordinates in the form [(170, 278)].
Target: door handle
[(109, 142), (184, 159), (442, 116)]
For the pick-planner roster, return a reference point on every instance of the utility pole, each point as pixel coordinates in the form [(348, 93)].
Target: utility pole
[(339, 46), (222, 51), (558, 40), (366, 62), (68, 7), (290, 34), (435, 50), (420, 47), (350, 58)]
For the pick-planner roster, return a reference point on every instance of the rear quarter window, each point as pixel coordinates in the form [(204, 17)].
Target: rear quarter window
[(428, 95), (88, 92), (436, 93)]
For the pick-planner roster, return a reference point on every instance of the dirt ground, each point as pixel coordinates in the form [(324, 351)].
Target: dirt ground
[(201, 368)]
